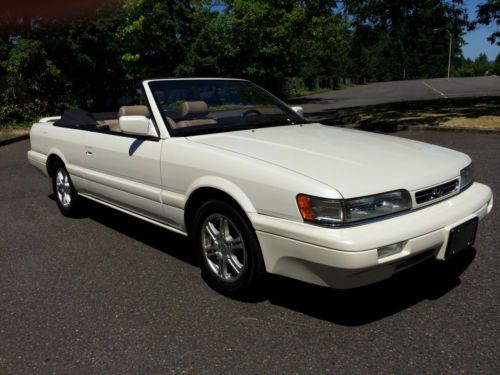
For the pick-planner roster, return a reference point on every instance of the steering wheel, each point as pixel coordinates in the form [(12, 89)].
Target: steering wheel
[(251, 112)]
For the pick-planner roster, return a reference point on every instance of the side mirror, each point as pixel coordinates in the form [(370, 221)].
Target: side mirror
[(299, 110), (137, 125)]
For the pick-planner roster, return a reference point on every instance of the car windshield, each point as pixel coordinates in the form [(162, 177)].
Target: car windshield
[(201, 106)]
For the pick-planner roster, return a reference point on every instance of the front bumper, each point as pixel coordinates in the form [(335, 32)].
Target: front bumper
[(348, 257)]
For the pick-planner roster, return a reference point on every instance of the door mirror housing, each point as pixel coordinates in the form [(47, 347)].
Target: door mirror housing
[(299, 110), (136, 125)]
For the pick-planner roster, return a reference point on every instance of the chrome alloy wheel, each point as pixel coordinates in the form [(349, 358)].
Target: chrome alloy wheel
[(223, 247), (63, 188)]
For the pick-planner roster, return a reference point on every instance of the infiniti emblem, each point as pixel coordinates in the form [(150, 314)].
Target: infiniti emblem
[(437, 192)]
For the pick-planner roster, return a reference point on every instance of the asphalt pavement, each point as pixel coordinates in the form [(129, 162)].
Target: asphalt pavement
[(397, 91), (106, 293)]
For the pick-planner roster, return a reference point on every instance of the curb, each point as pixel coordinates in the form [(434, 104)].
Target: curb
[(13, 140)]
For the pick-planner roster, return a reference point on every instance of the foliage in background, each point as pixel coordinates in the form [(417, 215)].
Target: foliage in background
[(405, 39), (487, 13), (288, 46)]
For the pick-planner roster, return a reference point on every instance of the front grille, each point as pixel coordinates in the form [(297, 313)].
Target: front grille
[(436, 192)]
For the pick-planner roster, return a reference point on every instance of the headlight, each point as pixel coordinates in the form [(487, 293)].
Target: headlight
[(377, 205), (320, 210), (340, 211), (466, 177)]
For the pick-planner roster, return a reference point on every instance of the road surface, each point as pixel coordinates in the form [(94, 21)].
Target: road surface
[(397, 91)]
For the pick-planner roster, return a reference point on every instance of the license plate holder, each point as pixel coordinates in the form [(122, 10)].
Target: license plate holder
[(461, 237)]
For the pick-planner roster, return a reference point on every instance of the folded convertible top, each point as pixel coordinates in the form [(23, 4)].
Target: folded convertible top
[(76, 118)]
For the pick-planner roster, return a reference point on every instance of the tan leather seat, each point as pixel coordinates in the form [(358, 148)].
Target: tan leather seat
[(134, 110), (194, 114), (129, 110)]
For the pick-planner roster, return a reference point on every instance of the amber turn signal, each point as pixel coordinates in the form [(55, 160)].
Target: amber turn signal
[(304, 204)]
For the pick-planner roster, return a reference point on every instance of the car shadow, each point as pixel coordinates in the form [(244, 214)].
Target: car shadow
[(149, 234), (353, 307), (429, 280)]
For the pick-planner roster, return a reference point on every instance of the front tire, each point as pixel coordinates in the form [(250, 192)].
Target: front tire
[(65, 193), (228, 249)]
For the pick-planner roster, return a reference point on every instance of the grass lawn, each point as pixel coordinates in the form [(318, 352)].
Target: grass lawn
[(12, 133), (481, 113)]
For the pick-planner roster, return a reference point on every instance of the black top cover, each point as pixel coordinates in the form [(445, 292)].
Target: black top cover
[(77, 118)]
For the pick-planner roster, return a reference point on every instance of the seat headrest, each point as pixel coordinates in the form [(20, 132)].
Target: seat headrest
[(194, 109), (134, 110)]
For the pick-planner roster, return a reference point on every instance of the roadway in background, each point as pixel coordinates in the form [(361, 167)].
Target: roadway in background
[(397, 91)]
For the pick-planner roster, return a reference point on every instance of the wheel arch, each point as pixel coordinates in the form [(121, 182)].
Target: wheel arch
[(215, 188), (53, 157)]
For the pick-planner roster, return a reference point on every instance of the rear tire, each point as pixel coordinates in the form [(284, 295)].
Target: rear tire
[(65, 193), (229, 252)]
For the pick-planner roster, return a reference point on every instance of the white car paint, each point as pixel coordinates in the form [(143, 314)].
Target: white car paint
[(354, 163), (263, 170)]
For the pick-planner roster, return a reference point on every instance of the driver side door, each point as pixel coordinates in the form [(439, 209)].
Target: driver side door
[(125, 171)]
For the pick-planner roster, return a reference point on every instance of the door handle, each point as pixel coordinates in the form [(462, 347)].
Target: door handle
[(88, 152)]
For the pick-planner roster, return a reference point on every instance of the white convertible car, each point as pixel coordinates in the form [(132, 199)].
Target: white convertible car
[(259, 189)]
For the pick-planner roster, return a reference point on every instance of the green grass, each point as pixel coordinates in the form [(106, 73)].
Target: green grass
[(14, 130), (21, 125)]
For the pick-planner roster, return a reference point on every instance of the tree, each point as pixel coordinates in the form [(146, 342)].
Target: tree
[(29, 73), (258, 39), (87, 52), (481, 65), (496, 65), (149, 40), (81, 49), (465, 68), (487, 13), (204, 43), (323, 46), (406, 37)]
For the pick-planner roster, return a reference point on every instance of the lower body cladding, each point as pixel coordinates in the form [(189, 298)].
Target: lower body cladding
[(360, 255)]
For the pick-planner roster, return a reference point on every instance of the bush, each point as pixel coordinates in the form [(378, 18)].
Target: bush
[(13, 115)]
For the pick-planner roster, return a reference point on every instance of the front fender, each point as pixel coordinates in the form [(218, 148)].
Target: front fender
[(225, 186)]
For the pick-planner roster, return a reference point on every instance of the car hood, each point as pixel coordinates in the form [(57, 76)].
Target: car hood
[(355, 163)]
